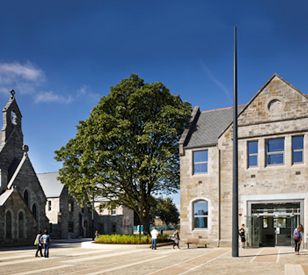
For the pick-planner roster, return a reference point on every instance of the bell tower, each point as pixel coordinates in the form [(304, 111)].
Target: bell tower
[(11, 120)]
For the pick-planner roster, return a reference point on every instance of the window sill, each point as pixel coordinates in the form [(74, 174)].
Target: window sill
[(200, 229)]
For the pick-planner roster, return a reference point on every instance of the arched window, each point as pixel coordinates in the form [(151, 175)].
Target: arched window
[(21, 225), (34, 211), (8, 221), (26, 197), (13, 118), (200, 210)]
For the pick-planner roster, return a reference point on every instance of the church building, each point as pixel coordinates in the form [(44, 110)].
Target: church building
[(272, 169), (22, 199)]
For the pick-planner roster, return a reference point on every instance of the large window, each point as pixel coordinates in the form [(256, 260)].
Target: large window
[(200, 209), (26, 197), (200, 161), (21, 225), (49, 205), (274, 149), (252, 153), (8, 221), (298, 149), (113, 211), (34, 211), (70, 206)]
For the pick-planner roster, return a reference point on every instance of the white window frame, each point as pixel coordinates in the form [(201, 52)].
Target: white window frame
[(201, 162), (276, 152), (298, 150)]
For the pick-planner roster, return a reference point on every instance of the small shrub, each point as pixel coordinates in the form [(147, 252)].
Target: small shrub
[(129, 239)]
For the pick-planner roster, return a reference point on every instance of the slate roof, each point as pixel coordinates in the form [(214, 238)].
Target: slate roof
[(209, 126), (51, 186), (4, 196)]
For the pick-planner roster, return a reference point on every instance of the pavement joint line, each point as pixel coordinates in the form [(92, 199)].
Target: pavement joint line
[(108, 266), (41, 270), (293, 269), (185, 262), (278, 256), (21, 261), (125, 266), (91, 258), (256, 256), (174, 265), (36, 259), (20, 256), (204, 263)]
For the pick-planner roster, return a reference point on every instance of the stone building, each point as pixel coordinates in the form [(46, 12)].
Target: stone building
[(70, 220), (22, 198), (67, 220), (272, 169), (113, 220)]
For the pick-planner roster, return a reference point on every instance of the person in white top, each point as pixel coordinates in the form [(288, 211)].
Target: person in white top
[(154, 234)]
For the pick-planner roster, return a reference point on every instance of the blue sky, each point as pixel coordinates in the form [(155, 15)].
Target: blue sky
[(60, 57)]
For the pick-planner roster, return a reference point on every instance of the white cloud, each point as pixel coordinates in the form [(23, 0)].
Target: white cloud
[(16, 70), (29, 79), (52, 97), (23, 78)]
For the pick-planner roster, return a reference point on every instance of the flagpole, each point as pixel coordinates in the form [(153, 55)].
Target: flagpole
[(235, 252)]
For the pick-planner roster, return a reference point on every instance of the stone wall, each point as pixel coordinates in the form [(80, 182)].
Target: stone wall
[(278, 110)]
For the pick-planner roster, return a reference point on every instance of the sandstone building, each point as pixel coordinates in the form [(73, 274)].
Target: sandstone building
[(21, 195), (69, 220), (272, 169)]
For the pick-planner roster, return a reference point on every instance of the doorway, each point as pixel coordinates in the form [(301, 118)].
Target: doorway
[(272, 224)]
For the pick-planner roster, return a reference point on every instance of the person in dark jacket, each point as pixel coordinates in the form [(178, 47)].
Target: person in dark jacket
[(242, 236), (39, 245), (298, 237), (176, 238)]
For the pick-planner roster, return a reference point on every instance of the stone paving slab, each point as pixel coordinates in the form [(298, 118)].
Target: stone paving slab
[(75, 260)]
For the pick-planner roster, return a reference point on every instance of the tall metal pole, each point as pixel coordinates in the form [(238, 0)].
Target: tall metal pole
[(235, 252), (93, 232)]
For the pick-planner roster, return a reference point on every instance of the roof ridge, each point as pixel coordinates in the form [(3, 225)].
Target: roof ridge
[(225, 108)]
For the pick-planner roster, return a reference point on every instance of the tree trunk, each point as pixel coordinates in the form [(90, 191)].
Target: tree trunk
[(145, 221)]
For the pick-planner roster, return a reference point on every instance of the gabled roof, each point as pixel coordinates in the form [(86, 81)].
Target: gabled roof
[(5, 195), (17, 170), (51, 186), (209, 126), (266, 84)]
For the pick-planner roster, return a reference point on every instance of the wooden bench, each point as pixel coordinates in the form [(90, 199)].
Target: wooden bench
[(195, 241)]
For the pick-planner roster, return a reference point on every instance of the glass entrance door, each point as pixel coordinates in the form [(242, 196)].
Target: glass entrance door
[(272, 223), (253, 232)]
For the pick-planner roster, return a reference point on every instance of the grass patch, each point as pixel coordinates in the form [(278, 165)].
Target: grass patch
[(129, 239)]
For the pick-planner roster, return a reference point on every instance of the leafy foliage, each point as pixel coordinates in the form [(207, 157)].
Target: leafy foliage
[(167, 211), (127, 150), (129, 239)]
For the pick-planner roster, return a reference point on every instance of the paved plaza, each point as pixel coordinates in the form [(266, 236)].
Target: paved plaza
[(72, 258)]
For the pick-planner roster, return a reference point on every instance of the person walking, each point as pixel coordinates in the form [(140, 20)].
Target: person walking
[(176, 238), (39, 245), (298, 237), (154, 234), (242, 236), (45, 240)]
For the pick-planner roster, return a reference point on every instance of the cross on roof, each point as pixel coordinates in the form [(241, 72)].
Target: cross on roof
[(12, 92)]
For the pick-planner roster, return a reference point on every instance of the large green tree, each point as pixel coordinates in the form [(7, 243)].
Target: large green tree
[(167, 211), (127, 150)]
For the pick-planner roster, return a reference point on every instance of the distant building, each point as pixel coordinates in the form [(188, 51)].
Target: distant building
[(67, 219), (272, 169), (70, 220), (22, 199)]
